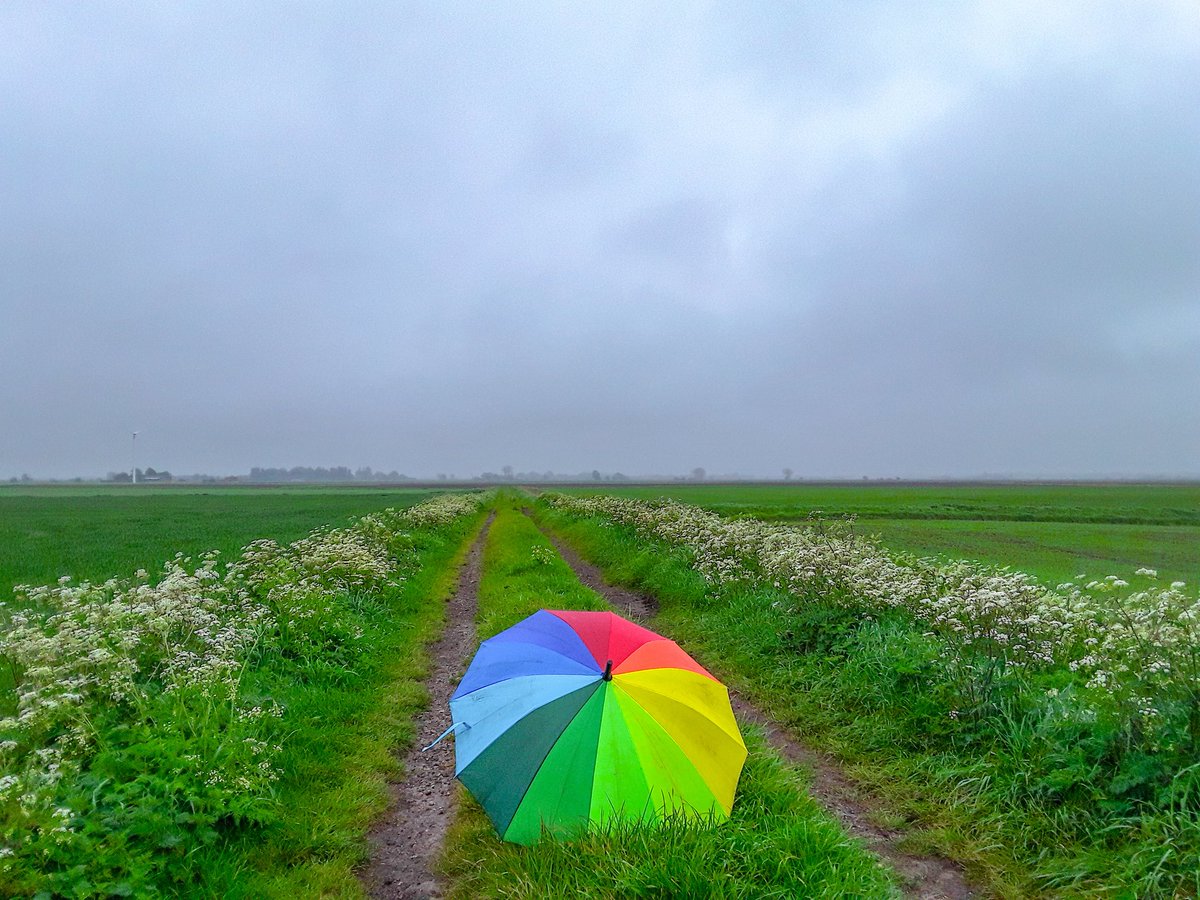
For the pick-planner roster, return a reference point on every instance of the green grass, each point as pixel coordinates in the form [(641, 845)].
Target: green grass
[(98, 532), (778, 843), (349, 727), (515, 584), (1024, 805), (1054, 552), (1161, 504), (348, 708), (1051, 531)]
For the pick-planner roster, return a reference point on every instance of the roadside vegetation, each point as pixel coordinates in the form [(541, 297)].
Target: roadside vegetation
[(1049, 738), (777, 843), (222, 729)]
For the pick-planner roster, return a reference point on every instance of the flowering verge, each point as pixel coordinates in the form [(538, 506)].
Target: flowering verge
[(1129, 660), (131, 736)]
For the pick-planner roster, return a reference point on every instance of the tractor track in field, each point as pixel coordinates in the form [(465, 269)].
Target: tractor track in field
[(407, 840), (924, 877), (639, 607)]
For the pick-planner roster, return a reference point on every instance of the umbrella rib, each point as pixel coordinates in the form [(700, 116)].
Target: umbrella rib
[(505, 711), (538, 771), (498, 680), (669, 737), (734, 735)]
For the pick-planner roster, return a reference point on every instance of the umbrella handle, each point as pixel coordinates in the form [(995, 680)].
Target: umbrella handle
[(444, 735)]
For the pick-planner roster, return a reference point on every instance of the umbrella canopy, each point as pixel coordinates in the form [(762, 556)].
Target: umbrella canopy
[(572, 718)]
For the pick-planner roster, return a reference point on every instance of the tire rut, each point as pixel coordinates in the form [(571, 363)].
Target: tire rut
[(407, 841), (640, 607), (924, 877)]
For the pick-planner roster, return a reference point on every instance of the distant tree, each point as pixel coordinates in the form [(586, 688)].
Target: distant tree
[(441, 476), (787, 474), (698, 474), (595, 475), (508, 473)]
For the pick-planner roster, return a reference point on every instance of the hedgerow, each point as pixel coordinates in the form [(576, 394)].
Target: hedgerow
[(1080, 703), (133, 737)]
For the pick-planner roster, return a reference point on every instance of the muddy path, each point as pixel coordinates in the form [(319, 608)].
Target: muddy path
[(923, 877), (639, 607), (406, 842)]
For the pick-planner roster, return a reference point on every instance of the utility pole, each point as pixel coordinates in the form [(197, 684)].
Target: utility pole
[(133, 459)]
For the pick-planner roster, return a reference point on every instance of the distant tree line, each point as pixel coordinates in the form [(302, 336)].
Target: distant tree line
[(507, 474), (147, 474), (365, 474), (270, 475)]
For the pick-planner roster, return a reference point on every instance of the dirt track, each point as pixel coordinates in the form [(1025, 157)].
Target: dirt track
[(925, 877), (407, 840)]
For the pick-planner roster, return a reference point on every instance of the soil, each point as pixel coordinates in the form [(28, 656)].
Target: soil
[(924, 877), (641, 608), (407, 841)]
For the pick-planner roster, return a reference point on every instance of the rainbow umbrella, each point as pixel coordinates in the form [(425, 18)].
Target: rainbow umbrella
[(575, 718)]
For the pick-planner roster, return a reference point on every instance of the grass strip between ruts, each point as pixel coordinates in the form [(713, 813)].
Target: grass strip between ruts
[(778, 843)]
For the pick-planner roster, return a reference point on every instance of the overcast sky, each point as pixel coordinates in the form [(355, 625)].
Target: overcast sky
[(885, 239)]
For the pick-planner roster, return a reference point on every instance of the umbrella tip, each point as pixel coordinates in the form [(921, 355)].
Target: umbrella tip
[(608, 671)]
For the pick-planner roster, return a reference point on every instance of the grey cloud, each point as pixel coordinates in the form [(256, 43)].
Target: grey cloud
[(687, 233), (847, 240)]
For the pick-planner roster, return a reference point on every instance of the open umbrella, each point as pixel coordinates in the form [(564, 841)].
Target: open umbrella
[(573, 718)]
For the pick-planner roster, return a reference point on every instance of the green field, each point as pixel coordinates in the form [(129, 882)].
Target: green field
[(1010, 787), (98, 532), (1052, 531)]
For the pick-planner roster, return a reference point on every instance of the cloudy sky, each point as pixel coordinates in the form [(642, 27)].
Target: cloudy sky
[(886, 239)]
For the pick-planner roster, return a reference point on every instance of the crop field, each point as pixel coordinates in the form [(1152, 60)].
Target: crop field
[(1054, 532), (98, 532), (228, 725)]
